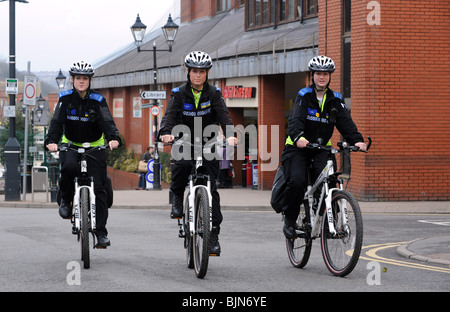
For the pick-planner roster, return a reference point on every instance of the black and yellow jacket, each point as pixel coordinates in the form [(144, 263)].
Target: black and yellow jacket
[(312, 121), (182, 109), (80, 120)]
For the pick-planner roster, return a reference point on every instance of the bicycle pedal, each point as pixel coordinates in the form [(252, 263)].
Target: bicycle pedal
[(214, 254)]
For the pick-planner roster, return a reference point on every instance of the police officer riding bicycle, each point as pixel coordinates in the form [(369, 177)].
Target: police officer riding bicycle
[(82, 115), (196, 99), (316, 111)]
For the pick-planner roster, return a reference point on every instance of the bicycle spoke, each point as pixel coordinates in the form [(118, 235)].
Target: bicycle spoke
[(299, 249), (341, 250), (202, 233)]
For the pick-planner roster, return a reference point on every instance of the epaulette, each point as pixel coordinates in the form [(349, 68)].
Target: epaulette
[(303, 91), (65, 92), (218, 89), (176, 90), (337, 95), (96, 96)]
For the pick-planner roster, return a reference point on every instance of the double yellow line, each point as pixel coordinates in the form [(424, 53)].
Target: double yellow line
[(371, 254)]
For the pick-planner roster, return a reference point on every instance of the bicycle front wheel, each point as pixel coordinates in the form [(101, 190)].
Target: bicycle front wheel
[(201, 238), (299, 249), (187, 235), (341, 250), (85, 224)]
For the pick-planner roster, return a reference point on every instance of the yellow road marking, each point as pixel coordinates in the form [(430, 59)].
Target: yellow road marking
[(372, 255)]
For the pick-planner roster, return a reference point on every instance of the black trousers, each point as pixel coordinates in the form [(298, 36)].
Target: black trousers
[(70, 168), (181, 170), (295, 168)]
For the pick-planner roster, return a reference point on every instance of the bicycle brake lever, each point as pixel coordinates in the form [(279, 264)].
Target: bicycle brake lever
[(370, 143)]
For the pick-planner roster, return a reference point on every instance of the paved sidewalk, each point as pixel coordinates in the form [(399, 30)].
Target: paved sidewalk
[(433, 249)]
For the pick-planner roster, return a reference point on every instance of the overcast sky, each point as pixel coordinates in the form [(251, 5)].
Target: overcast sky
[(52, 34)]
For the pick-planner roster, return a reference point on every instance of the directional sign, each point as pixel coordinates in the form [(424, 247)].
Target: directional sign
[(153, 95), (29, 90)]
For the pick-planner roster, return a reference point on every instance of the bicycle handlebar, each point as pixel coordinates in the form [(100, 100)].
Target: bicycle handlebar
[(342, 146), (220, 142), (179, 140), (70, 146)]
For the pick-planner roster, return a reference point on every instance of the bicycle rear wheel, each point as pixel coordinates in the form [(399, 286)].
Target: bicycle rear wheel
[(299, 249), (85, 224), (187, 235), (341, 250), (201, 237)]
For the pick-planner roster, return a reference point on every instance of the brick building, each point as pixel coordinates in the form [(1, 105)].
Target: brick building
[(389, 54)]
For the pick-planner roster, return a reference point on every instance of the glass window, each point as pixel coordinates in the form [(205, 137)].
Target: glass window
[(282, 10), (262, 13), (347, 15), (223, 5), (292, 8), (250, 14), (265, 12), (257, 12), (310, 7)]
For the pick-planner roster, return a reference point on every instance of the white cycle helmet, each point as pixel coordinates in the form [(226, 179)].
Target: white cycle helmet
[(321, 64), (81, 68), (198, 59)]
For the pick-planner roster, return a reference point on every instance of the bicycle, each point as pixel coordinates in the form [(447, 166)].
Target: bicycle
[(84, 210), (196, 221), (331, 213)]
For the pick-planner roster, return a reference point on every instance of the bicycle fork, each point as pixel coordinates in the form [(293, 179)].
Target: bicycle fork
[(329, 211), (92, 208)]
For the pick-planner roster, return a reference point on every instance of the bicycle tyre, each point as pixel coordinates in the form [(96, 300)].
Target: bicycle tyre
[(341, 251), (201, 237), (299, 249), (85, 224), (187, 235)]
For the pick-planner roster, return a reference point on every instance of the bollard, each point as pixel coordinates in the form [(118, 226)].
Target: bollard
[(244, 173), (53, 180)]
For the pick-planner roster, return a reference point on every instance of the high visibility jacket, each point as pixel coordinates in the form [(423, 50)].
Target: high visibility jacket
[(312, 121), (82, 120), (182, 109)]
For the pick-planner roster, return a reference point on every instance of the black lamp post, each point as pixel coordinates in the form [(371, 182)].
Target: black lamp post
[(170, 31), (61, 81), (12, 146)]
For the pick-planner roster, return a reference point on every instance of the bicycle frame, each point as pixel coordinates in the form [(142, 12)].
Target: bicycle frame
[(192, 189), (327, 194), (191, 195), (84, 182)]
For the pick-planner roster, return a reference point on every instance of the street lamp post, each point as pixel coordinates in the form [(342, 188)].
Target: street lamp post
[(170, 31), (12, 146), (61, 81)]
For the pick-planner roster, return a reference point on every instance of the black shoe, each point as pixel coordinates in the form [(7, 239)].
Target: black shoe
[(65, 210), (177, 207), (103, 241), (214, 246), (289, 228)]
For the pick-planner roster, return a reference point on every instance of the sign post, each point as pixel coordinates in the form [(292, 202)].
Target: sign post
[(155, 95), (29, 99)]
